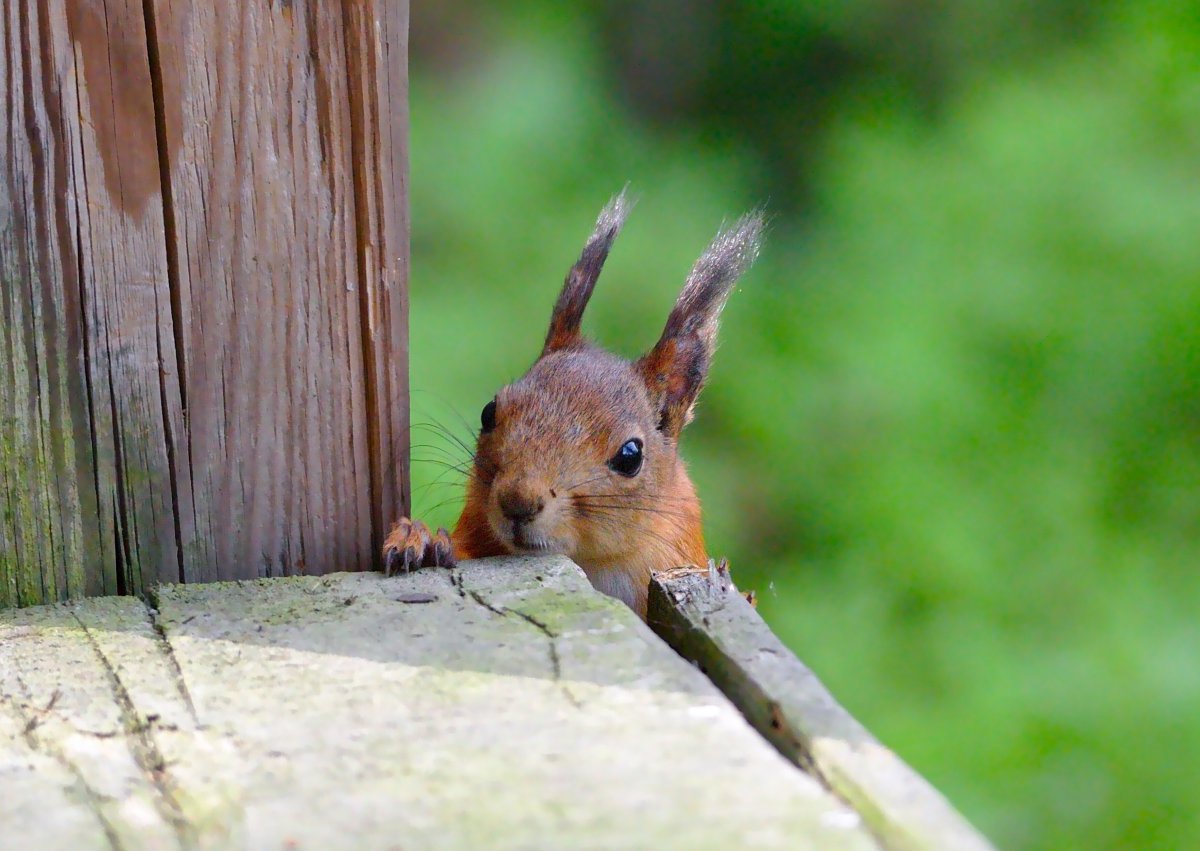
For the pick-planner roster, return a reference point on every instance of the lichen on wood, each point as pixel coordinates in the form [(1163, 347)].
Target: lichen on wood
[(502, 704)]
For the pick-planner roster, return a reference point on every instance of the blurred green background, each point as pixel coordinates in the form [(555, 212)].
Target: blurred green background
[(952, 435)]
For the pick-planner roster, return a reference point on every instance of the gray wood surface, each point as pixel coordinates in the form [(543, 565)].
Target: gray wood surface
[(703, 616), (503, 704)]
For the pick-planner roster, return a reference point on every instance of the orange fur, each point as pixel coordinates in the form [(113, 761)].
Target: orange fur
[(549, 473)]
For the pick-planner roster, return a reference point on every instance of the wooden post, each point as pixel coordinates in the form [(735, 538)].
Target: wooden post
[(203, 321)]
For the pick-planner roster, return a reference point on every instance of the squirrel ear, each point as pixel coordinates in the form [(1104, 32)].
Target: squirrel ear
[(581, 280), (675, 369)]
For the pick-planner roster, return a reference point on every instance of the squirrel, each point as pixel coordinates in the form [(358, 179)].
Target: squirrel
[(579, 456)]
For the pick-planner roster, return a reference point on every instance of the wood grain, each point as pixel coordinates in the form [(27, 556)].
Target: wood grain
[(203, 243), (267, 282), (377, 36), (209, 721), (88, 397)]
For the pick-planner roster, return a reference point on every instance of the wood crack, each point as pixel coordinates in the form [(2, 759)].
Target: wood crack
[(165, 646), (555, 661), (92, 799), (171, 248), (172, 471), (456, 579), (143, 747), (167, 193), (361, 122)]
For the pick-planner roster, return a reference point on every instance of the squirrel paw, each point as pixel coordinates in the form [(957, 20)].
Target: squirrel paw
[(410, 545)]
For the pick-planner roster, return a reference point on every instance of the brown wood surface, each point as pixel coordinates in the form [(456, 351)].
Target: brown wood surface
[(203, 251), (377, 39)]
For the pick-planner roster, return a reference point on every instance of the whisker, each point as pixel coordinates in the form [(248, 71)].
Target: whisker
[(445, 450), (442, 462), (468, 473), (629, 496), (439, 428), (677, 515), (440, 478), (586, 482), (444, 502), (670, 545), (453, 408), (434, 483), (625, 499), (635, 498)]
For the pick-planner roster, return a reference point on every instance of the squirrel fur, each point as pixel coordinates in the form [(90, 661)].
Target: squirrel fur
[(580, 455)]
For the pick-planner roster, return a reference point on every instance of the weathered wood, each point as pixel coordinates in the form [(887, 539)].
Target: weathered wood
[(203, 252), (89, 403), (513, 707), (377, 45), (258, 158), (706, 620)]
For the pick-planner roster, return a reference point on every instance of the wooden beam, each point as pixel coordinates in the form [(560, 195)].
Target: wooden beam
[(502, 704), (703, 616)]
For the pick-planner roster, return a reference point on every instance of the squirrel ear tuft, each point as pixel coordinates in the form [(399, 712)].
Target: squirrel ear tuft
[(675, 369), (581, 280)]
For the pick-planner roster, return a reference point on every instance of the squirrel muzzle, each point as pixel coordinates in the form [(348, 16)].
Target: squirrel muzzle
[(525, 516)]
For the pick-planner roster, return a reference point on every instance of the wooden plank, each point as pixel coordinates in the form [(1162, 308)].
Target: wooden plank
[(277, 258), (88, 398), (502, 704), (707, 621)]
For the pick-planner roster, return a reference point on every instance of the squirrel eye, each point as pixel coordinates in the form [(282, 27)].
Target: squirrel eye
[(487, 419), (628, 460)]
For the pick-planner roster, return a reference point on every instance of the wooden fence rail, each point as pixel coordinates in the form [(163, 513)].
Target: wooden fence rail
[(204, 263)]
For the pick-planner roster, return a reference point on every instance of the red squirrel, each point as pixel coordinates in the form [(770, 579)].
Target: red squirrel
[(579, 456)]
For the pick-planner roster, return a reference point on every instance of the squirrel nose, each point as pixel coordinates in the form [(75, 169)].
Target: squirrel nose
[(521, 507)]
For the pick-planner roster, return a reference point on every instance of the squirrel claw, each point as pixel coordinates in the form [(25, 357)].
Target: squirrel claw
[(389, 562), (443, 549), (410, 545)]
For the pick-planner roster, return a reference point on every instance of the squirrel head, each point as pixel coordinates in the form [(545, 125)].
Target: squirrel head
[(578, 456)]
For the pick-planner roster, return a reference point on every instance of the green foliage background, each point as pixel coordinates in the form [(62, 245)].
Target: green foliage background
[(953, 431)]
